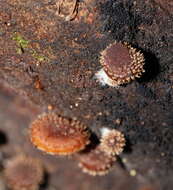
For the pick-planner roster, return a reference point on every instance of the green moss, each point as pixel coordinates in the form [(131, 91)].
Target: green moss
[(20, 41), (39, 57), (19, 51), (23, 44)]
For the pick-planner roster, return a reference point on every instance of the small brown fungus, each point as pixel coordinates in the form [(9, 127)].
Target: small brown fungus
[(54, 134), (24, 173), (67, 9), (95, 161), (121, 64), (112, 141)]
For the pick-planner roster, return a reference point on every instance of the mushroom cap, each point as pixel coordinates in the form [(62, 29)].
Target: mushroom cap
[(23, 173), (121, 62), (95, 161), (58, 135), (112, 141)]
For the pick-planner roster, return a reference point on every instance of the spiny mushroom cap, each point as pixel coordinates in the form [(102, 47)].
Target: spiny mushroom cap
[(122, 63), (95, 162), (112, 141), (58, 135), (24, 173)]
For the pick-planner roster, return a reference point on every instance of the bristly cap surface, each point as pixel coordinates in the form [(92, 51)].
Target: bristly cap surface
[(55, 134), (112, 141), (122, 62), (95, 162)]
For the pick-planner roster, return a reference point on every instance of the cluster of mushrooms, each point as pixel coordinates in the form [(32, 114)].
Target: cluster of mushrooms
[(57, 135)]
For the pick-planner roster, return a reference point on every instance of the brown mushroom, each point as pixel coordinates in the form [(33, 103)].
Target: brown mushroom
[(95, 161), (24, 173), (55, 134), (121, 64)]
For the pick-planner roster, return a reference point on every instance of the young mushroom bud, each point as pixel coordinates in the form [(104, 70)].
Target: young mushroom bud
[(121, 64), (112, 141), (55, 134)]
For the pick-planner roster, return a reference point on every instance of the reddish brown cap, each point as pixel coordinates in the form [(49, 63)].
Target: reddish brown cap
[(122, 63), (58, 135), (24, 173), (95, 161), (112, 141)]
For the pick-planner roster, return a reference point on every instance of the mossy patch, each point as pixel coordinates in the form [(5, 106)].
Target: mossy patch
[(23, 45), (39, 57)]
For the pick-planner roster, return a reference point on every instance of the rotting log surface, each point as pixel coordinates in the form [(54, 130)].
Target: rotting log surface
[(52, 62)]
